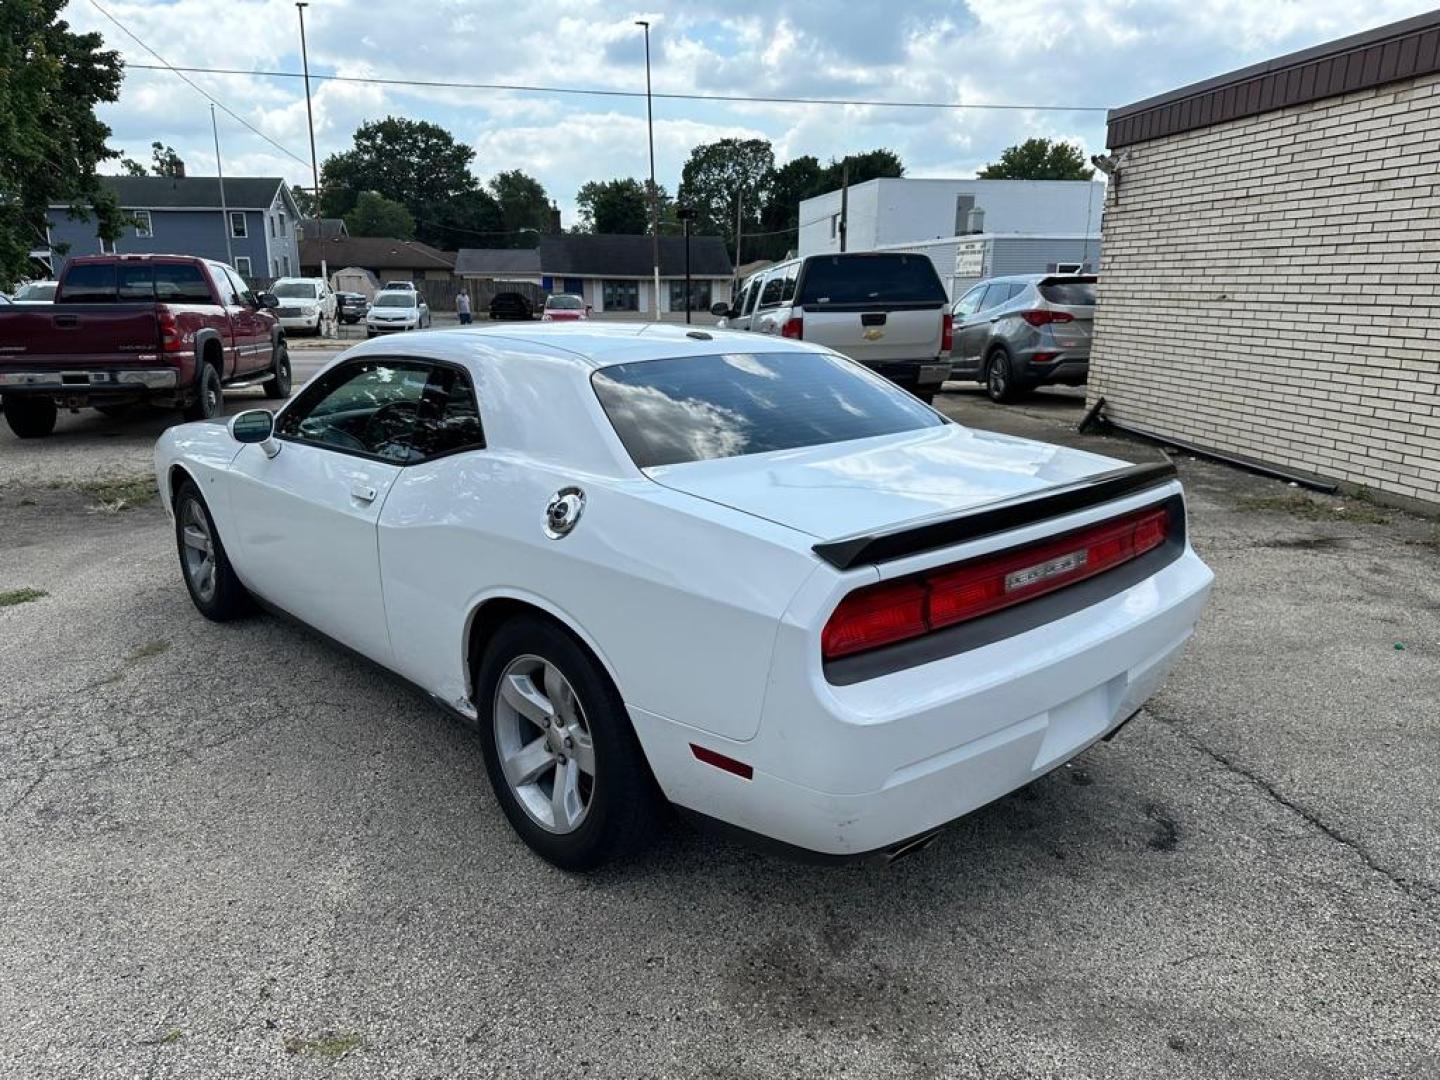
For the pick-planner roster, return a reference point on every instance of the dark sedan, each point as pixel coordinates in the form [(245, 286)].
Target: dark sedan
[(510, 307)]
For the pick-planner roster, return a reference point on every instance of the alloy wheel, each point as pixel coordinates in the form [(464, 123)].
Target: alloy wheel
[(543, 741), (199, 550), (996, 377)]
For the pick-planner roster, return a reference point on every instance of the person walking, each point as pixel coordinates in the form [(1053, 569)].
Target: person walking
[(462, 308)]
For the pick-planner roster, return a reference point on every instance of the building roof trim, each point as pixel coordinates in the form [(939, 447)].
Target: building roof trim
[(1400, 50)]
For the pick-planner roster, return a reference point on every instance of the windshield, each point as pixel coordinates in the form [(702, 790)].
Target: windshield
[(870, 279), (698, 407), (565, 303), (392, 299), (296, 290), (37, 290)]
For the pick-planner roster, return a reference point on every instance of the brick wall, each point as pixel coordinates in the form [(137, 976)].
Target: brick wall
[(1271, 287)]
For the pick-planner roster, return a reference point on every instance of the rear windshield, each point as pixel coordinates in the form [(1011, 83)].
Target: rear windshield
[(1070, 293), (129, 283), (694, 408), (870, 279)]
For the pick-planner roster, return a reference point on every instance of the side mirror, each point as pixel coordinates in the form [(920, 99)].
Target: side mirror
[(720, 311), (267, 300), (255, 426)]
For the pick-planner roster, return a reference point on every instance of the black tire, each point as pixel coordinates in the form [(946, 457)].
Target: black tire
[(625, 809), (209, 396), (278, 387), (226, 598), (1000, 383), (30, 417)]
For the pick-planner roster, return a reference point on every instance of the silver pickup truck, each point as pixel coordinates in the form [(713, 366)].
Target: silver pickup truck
[(884, 309)]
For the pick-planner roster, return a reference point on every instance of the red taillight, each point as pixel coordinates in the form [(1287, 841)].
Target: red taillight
[(794, 328), (947, 333), (169, 330), (911, 606), (1040, 318), (1042, 357), (721, 761)]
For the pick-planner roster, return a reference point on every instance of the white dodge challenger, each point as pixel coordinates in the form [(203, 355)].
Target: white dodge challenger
[(653, 564)]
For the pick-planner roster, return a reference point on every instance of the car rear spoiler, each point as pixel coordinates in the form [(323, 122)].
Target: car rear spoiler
[(915, 538)]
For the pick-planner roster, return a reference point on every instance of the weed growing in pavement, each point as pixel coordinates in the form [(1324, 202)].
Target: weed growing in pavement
[(1300, 506), (326, 1045), (20, 596), (113, 494)]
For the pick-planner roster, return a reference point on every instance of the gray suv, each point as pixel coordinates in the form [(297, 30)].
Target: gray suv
[(1016, 333)]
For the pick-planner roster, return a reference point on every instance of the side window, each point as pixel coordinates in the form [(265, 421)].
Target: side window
[(970, 302), (788, 292), (752, 293), (995, 295), (772, 290), (401, 411), (243, 295)]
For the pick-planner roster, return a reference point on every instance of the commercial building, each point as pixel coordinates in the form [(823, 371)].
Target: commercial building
[(969, 228), (613, 273), (182, 215), (1270, 285), (387, 258)]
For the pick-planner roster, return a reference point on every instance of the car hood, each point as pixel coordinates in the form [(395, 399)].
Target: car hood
[(852, 487)]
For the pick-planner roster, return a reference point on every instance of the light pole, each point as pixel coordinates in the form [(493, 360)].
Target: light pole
[(310, 118), (654, 193), (220, 176), (685, 214)]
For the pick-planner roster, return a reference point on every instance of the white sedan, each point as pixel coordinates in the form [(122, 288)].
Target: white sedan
[(396, 309), (750, 579)]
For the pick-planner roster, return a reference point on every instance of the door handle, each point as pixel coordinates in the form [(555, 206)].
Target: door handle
[(363, 493)]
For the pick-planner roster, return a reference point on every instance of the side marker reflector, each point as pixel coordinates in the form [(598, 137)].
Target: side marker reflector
[(720, 761)]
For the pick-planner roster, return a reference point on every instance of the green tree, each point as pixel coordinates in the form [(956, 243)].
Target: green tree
[(304, 201), (51, 79), (871, 165), (721, 177), (375, 215), (524, 205), (1039, 159), (470, 219), (166, 162), (131, 167), (614, 206), (413, 162), (798, 179)]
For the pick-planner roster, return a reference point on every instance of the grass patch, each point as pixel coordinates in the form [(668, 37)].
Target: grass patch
[(168, 1038), (112, 494), (327, 1045), (146, 651), (20, 596), (1300, 506)]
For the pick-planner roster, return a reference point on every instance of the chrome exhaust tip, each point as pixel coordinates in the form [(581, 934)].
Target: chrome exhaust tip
[(910, 847)]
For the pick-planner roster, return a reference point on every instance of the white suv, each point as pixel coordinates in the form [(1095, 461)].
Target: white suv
[(304, 303), (884, 309)]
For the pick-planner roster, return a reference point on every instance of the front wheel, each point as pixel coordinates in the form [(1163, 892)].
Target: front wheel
[(561, 755), (30, 417), (213, 586), (1000, 378), (279, 385)]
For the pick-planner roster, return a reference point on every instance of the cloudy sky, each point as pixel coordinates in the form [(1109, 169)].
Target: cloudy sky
[(997, 52)]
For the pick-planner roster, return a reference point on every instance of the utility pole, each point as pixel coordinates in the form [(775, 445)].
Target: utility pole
[(654, 191), (220, 175), (310, 119), (739, 205), (685, 213), (844, 202)]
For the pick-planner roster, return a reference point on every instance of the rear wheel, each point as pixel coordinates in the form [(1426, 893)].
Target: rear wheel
[(1000, 378), (30, 417), (279, 385), (212, 583), (564, 762), (209, 397)]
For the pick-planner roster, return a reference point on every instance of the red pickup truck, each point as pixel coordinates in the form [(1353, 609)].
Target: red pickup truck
[(169, 329)]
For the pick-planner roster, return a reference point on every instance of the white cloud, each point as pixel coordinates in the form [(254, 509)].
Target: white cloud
[(1084, 52)]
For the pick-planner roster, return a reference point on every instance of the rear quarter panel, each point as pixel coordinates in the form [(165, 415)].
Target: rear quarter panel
[(680, 599)]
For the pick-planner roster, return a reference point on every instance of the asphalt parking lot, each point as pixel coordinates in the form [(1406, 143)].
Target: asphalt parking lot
[(237, 851)]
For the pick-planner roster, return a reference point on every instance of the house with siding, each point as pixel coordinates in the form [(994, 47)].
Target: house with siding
[(182, 215), (613, 273), (1271, 252)]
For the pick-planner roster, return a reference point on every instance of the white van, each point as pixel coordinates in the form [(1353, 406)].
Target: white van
[(884, 309)]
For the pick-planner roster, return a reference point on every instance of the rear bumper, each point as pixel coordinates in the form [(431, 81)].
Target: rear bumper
[(924, 373), (87, 383), (850, 771), (1065, 368)]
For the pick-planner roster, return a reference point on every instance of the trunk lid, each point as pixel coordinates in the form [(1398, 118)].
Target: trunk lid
[(883, 333), (840, 489)]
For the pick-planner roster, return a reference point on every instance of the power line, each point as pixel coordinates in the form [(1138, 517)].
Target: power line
[(439, 84), (165, 65)]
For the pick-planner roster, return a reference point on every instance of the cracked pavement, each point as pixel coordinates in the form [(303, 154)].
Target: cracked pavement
[(238, 851)]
